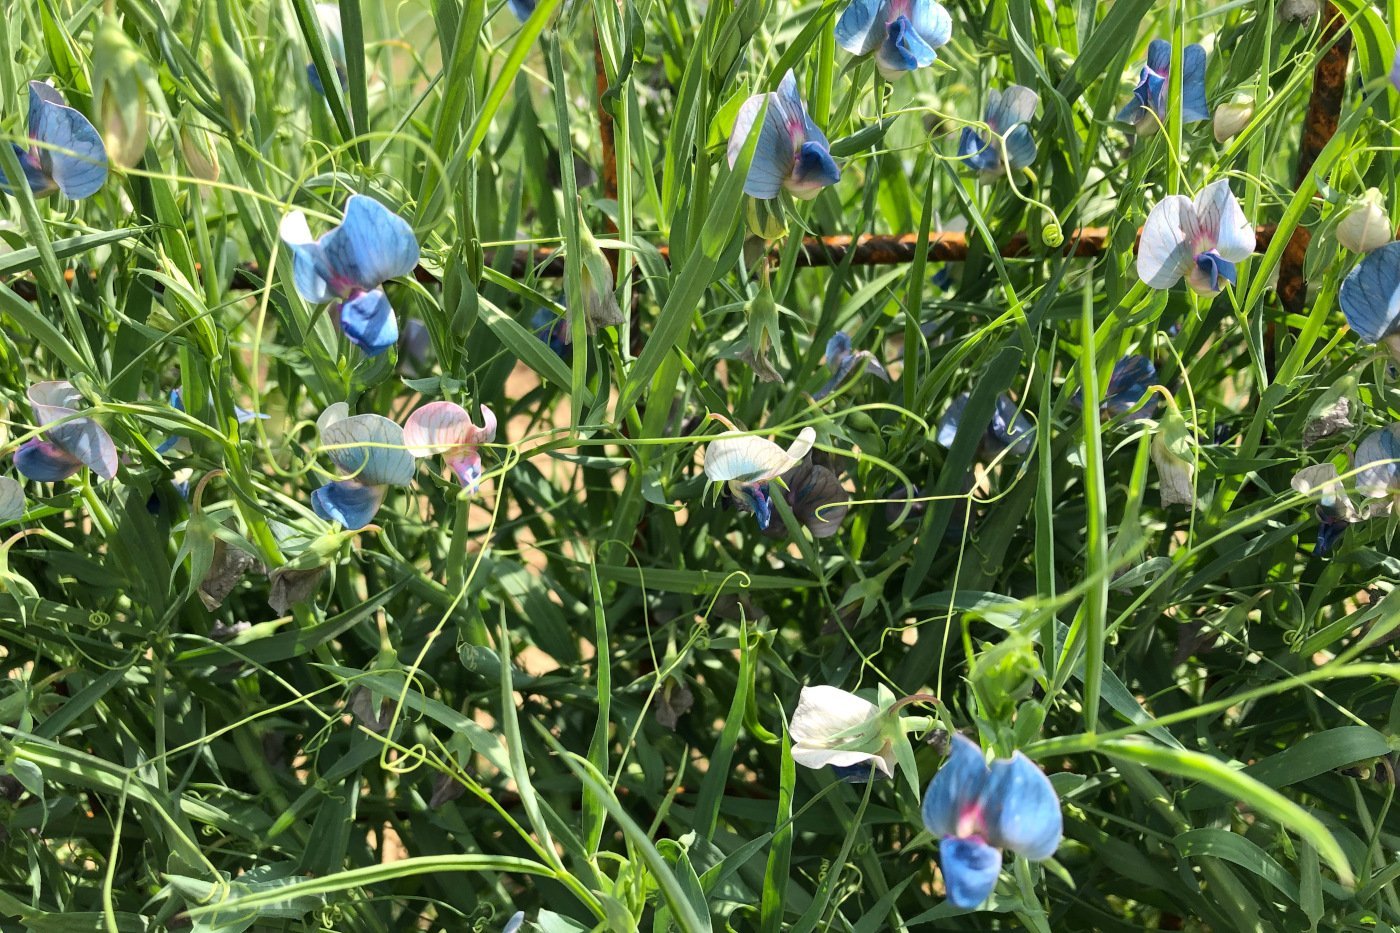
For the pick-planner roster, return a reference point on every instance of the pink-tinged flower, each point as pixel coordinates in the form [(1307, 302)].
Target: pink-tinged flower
[(977, 811), (792, 152), (446, 428), (1202, 240), (68, 443)]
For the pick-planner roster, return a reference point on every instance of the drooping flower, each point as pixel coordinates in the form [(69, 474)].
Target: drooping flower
[(1232, 117), (598, 285), (977, 811), (903, 34), (177, 402), (350, 264), (1370, 297), (748, 464), (1334, 508), (818, 501), (791, 152), (1009, 429), (1202, 240), (1366, 226), (120, 77), (1148, 110), (1172, 452), (554, 330), (370, 452), (1378, 466), (65, 152), (832, 727), (11, 501), (446, 428), (1332, 412), (1008, 113), (841, 360), (762, 331), (1132, 377), (67, 443), (328, 16)]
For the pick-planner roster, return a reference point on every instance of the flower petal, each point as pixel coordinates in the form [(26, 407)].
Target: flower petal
[(1159, 56), (1010, 428), (1020, 147), (956, 788), (813, 170), (1166, 252), (1193, 85), (861, 28), (39, 183), (749, 459), (970, 870), (45, 462), (1021, 810), (70, 148), (437, 428), (372, 245), (11, 500), (816, 497), (825, 712), (1010, 108), (773, 153), (1370, 295), (86, 441), (1221, 221), (979, 154), (932, 23), (1132, 376), (348, 502), (948, 424), (369, 323), (903, 50), (309, 270), (1376, 459), (53, 401), (370, 449)]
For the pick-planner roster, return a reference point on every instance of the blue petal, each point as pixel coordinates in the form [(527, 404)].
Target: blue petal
[(1132, 377), (754, 498), (932, 23), (369, 448), (70, 148), (1010, 108), (1370, 295), (39, 183), (45, 462), (1159, 55), (838, 348), (350, 503), (956, 787), (314, 78), (1020, 147), (86, 441), (1378, 462), (1021, 810), (1212, 269), (861, 28), (948, 424), (815, 167), (903, 49), (1328, 534), (970, 870), (856, 774), (369, 322), (1193, 85), (372, 245), (522, 8), (974, 149), (1010, 428)]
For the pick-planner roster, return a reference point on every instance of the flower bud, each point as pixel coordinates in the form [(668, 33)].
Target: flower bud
[(1171, 452), (762, 335), (197, 147), (120, 77), (1232, 117), (234, 82), (1366, 225), (599, 301)]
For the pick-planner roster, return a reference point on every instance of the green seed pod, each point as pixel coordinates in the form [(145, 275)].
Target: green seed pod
[(121, 77), (234, 83), (197, 147)]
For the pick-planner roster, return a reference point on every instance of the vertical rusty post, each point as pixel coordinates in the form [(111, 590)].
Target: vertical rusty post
[(1319, 126)]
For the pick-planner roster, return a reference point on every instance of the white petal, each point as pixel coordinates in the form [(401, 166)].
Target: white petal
[(823, 712), (294, 230), (1221, 221), (1165, 253), (749, 459), (333, 413)]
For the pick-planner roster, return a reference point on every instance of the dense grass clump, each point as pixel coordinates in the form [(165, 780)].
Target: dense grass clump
[(742, 466)]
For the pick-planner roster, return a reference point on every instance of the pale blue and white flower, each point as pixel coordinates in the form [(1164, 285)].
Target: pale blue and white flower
[(68, 443), (65, 152), (747, 464), (978, 811), (905, 35), (370, 453), (792, 153), (1202, 240), (1370, 297), (349, 266), (1008, 117), (834, 728)]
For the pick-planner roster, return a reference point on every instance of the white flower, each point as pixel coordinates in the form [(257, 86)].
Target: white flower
[(833, 727), (1366, 225), (1232, 117)]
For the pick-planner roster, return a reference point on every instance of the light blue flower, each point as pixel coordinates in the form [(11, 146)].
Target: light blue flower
[(350, 264), (68, 443), (523, 9), (1378, 464), (791, 152), (65, 152), (977, 811), (1007, 116), (904, 34), (1008, 429), (1202, 240), (369, 450), (841, 360), (1370, 296), (1148, 110)]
